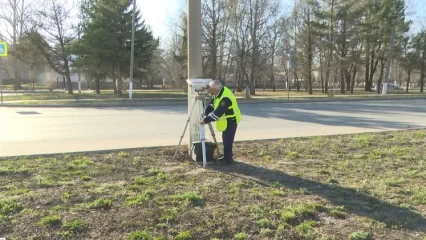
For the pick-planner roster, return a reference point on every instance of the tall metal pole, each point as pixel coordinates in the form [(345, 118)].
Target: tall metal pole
[(79, 74), (132, 54), (388, 64), (194, 62), (1, 88)]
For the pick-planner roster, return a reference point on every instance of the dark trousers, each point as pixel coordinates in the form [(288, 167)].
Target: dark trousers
[(228, 139)]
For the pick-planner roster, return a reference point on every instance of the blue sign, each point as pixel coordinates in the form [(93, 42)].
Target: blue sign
[(3, 49)]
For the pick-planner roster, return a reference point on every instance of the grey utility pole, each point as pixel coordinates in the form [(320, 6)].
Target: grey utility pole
[(132, 51), (194, 61)]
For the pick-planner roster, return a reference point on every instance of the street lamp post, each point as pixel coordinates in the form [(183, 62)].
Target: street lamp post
[(132, 51)]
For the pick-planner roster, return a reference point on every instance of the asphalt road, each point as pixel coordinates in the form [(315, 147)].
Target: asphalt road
[(26, 131)]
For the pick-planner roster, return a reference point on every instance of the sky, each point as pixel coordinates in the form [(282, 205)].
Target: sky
[(158, 12), (416, 11), (161, 14)]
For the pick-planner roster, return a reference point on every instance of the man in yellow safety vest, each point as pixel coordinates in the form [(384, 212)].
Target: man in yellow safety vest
[(224, 110)]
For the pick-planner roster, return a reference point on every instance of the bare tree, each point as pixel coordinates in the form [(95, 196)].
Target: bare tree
[(15, 16), (240, 43), (53, 37), (215, 27), (306, 40)]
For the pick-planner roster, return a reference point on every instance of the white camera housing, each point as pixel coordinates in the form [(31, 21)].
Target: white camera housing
[(198, 84)]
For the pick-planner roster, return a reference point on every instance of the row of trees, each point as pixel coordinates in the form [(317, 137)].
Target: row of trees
[(328, 43), (335, 43), (98, 46)]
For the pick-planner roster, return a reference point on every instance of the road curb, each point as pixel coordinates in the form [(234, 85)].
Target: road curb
[(106, 151), (185, 102)]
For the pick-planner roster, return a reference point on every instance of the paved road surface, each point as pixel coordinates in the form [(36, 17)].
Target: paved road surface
[(56, 130)]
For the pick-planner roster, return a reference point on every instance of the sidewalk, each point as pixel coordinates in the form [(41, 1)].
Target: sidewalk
[(119, 102)]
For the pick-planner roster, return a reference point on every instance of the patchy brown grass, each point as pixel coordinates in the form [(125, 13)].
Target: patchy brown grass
[(364, 186), (107, 96)]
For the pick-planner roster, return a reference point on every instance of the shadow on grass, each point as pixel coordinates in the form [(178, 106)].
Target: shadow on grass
[(354, 202)]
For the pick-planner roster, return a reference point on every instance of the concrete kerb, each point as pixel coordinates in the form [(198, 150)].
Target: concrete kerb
[(179, 101), (106, 151)]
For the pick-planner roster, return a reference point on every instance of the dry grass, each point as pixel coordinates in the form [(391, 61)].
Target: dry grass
[(365, 186)]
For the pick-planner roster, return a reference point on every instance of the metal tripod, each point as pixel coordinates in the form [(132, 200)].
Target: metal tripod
[(202, 99)]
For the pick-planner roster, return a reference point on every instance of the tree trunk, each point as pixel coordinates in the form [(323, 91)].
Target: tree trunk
[(372, 70), (22, 18), (69, 83), (374, 64), (423, 73), (343, 55), (15, 59), (119, 82), (330, 50), (348, 79), (252, 80), (353, 79), (310, 80), (114, 83), (98, 85), (297, 82), (214, 44), (242, 76), (237, 73), (389, 58), (367, 67), (67, 71), (321, 73), (254, 25), (247, 88), (342, 80), (272, 69), (408, 80), (229, 62), (310, 61), (379, 81)]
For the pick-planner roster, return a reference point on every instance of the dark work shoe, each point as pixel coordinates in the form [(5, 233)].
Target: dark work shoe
[(223, 161)]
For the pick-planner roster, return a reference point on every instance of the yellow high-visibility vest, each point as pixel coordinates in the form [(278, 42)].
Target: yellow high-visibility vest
[(222, 123)]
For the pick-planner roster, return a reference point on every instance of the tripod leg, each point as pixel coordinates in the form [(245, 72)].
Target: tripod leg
[(214, 138), (186, 126), (203, 144)]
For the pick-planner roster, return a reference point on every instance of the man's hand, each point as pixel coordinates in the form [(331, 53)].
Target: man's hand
[(202, 122)]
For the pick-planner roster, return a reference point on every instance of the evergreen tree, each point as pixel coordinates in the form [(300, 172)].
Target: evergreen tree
[(106, 42)]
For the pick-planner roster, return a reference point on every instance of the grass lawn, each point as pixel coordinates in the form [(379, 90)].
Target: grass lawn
[(86, 95), (162, 94), (364, 186), (27, 86)]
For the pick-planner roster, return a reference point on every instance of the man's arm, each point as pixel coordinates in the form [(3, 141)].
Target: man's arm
[(215, 115), (209, 108)]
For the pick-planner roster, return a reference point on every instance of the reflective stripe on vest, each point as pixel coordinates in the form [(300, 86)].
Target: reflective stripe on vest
[(222, 123)]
